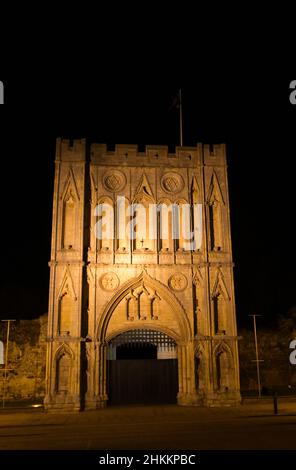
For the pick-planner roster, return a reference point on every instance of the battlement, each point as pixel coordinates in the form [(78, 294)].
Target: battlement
[(214, 154), (129, 154), (153, 151), (68, 150)]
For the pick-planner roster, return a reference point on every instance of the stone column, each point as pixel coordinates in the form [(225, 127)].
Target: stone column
[(90, 397), (187, 394), (102, 396), (67, 265)]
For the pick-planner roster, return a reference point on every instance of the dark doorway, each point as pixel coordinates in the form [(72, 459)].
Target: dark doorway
[(138, 377), (136, 351)]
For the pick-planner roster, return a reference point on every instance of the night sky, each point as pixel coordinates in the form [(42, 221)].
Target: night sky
[(238, 100)]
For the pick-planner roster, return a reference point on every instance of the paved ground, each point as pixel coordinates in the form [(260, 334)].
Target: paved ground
[(250, 426)]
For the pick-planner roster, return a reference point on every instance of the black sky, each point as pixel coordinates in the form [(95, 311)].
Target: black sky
[(242, 99)]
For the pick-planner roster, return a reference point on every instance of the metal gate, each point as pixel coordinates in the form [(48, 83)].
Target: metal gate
[(142, 368)]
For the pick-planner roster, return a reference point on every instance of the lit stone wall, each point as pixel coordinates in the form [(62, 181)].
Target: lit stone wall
[(102, 287), (26, 359)]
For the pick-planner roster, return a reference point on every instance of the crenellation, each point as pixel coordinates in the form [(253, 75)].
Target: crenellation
[(125, 150), (157, 152), (154, 155), (67, 150), (214, 155), (97, 152)]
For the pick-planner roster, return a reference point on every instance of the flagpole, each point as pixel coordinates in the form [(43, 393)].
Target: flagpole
[(181, 123), (6, 360)]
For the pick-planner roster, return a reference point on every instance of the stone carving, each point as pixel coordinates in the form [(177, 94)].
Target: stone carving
[(142, 304), (109, 281), (178, 282), (172, 182), (114, 180), (197, 278)]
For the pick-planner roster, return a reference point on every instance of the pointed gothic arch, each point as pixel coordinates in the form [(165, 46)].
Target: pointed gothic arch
[(122, 225), (197, 277), (219, 286), (222, 346), (64, 348), (196, 214), (162, 290), (181, 222), (143, 189), (214, 190), (199, 368), (70, 183), (215, 202), (165, 225), (223, 366), (67, 285), (69, 201), (63, 368), (195, 191), (69, 217), (220, 301), (66, 304), (104, 224), (144, 229)]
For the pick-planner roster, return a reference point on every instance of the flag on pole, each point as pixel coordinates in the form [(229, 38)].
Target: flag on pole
[(177, 104)]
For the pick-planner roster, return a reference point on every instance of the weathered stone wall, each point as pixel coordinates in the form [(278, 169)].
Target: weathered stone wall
[(275, 370), (26, 359)]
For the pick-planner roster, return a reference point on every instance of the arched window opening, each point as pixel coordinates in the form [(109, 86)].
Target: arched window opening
[(63, 369), (68, 236)]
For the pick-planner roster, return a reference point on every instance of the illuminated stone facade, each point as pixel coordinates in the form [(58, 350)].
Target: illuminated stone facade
[(102, 288)]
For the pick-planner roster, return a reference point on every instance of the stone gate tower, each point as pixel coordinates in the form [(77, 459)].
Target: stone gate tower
[(113, 287)]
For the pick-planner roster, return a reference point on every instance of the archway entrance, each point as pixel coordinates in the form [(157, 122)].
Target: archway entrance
[(142, 368)]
